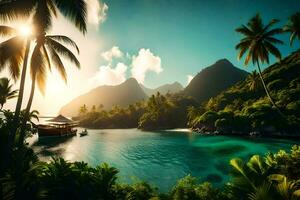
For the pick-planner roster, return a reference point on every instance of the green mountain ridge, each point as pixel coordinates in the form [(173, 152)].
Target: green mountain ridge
[(214, 79), (240, 109)]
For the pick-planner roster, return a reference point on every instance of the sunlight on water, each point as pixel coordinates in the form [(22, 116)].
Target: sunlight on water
[(160, 157)]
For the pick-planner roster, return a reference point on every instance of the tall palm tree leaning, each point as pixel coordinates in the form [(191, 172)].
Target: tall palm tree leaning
[(47, 53), (258, 43), (6, 91), (293, 27), (44, 11)]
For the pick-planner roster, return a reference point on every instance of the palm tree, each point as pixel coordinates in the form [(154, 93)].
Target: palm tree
[(43, 12), (259, 42), (41, 59), (6, 91), (83, 110), (293, 27), (75, 11), (254, 82), (14, 53)]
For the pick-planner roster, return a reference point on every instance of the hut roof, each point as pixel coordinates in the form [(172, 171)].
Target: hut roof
[(60, 119)]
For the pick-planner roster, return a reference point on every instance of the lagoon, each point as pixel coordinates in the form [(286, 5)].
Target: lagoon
[(158, 157)]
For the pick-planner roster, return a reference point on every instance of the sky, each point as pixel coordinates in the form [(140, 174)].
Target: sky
[(154, 41)]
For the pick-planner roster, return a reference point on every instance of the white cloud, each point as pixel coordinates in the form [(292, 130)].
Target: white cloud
[(189, 78), (142, 63), (114, 52), (106, 75), (97, 12)]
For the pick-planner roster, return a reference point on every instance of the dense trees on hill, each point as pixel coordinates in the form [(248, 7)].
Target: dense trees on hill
[(158, 112), (248, 109)]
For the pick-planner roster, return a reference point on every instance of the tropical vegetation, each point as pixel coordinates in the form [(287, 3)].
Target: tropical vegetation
[(240, 109), (6, 91), (244, 108), (158, 112), (273, 176)]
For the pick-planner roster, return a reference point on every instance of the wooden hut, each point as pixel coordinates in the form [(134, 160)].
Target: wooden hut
[(58, 126)]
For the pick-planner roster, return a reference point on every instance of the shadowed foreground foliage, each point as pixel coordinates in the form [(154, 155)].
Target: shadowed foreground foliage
[(274, 176)]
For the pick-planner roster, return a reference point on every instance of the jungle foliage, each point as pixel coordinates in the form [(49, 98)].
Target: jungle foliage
[(245, 107)]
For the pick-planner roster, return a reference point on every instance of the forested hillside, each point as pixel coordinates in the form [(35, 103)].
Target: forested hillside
[(245, 106)]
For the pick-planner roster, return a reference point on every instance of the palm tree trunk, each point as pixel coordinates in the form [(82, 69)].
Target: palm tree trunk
[(267, 90), (22, 82), (13, 129), (27, 112)]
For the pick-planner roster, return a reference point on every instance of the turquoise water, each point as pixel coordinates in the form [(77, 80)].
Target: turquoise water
[(160, 158)]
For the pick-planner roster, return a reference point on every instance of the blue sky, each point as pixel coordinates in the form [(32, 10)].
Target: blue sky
[(186, 35)]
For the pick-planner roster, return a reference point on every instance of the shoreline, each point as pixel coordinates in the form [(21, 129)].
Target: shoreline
[(268, 135)]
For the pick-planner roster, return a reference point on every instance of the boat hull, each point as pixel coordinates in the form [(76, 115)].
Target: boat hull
[(46, 131)]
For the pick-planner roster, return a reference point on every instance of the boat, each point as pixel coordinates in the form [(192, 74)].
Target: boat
[(58, 126), (83, 133)]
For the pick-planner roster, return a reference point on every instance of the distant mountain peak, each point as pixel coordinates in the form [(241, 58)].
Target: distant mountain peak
[(130, 81), (163, 89), (213, 79), (123, 94), (224, 61)]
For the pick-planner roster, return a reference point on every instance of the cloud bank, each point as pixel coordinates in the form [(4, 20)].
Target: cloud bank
[(145, 62), (142, 63), (114, 52), (107, 75), (97, 12)]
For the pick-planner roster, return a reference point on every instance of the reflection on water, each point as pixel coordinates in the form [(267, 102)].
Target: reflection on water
[(161, 157)]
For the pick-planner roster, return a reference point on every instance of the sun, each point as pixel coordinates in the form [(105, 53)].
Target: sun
[(25, 30)]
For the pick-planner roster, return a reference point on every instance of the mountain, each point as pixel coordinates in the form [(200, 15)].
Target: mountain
[(124, 94), (242, 109), (164, 89), (214, 79)]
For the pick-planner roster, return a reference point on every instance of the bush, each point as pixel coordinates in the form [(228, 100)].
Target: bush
[(277, 84), (187, 188)]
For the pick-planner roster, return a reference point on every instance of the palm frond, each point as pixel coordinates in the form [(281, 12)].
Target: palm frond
[(52, 7), (244, 30), (255, 24), (7, 31), (292, 38), (273, 32), (38, 68), (11, 10), (62, 50), (274, 40), (273, 50), (42, 18), (56, 61), (45, 52), (11, 55), (75, 11), (65, 39), (270, 24)]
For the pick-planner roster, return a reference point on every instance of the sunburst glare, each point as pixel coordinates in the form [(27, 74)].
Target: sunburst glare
[(25, 30)]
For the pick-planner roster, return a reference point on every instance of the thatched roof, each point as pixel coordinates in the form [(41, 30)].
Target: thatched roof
[(60, 119)]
